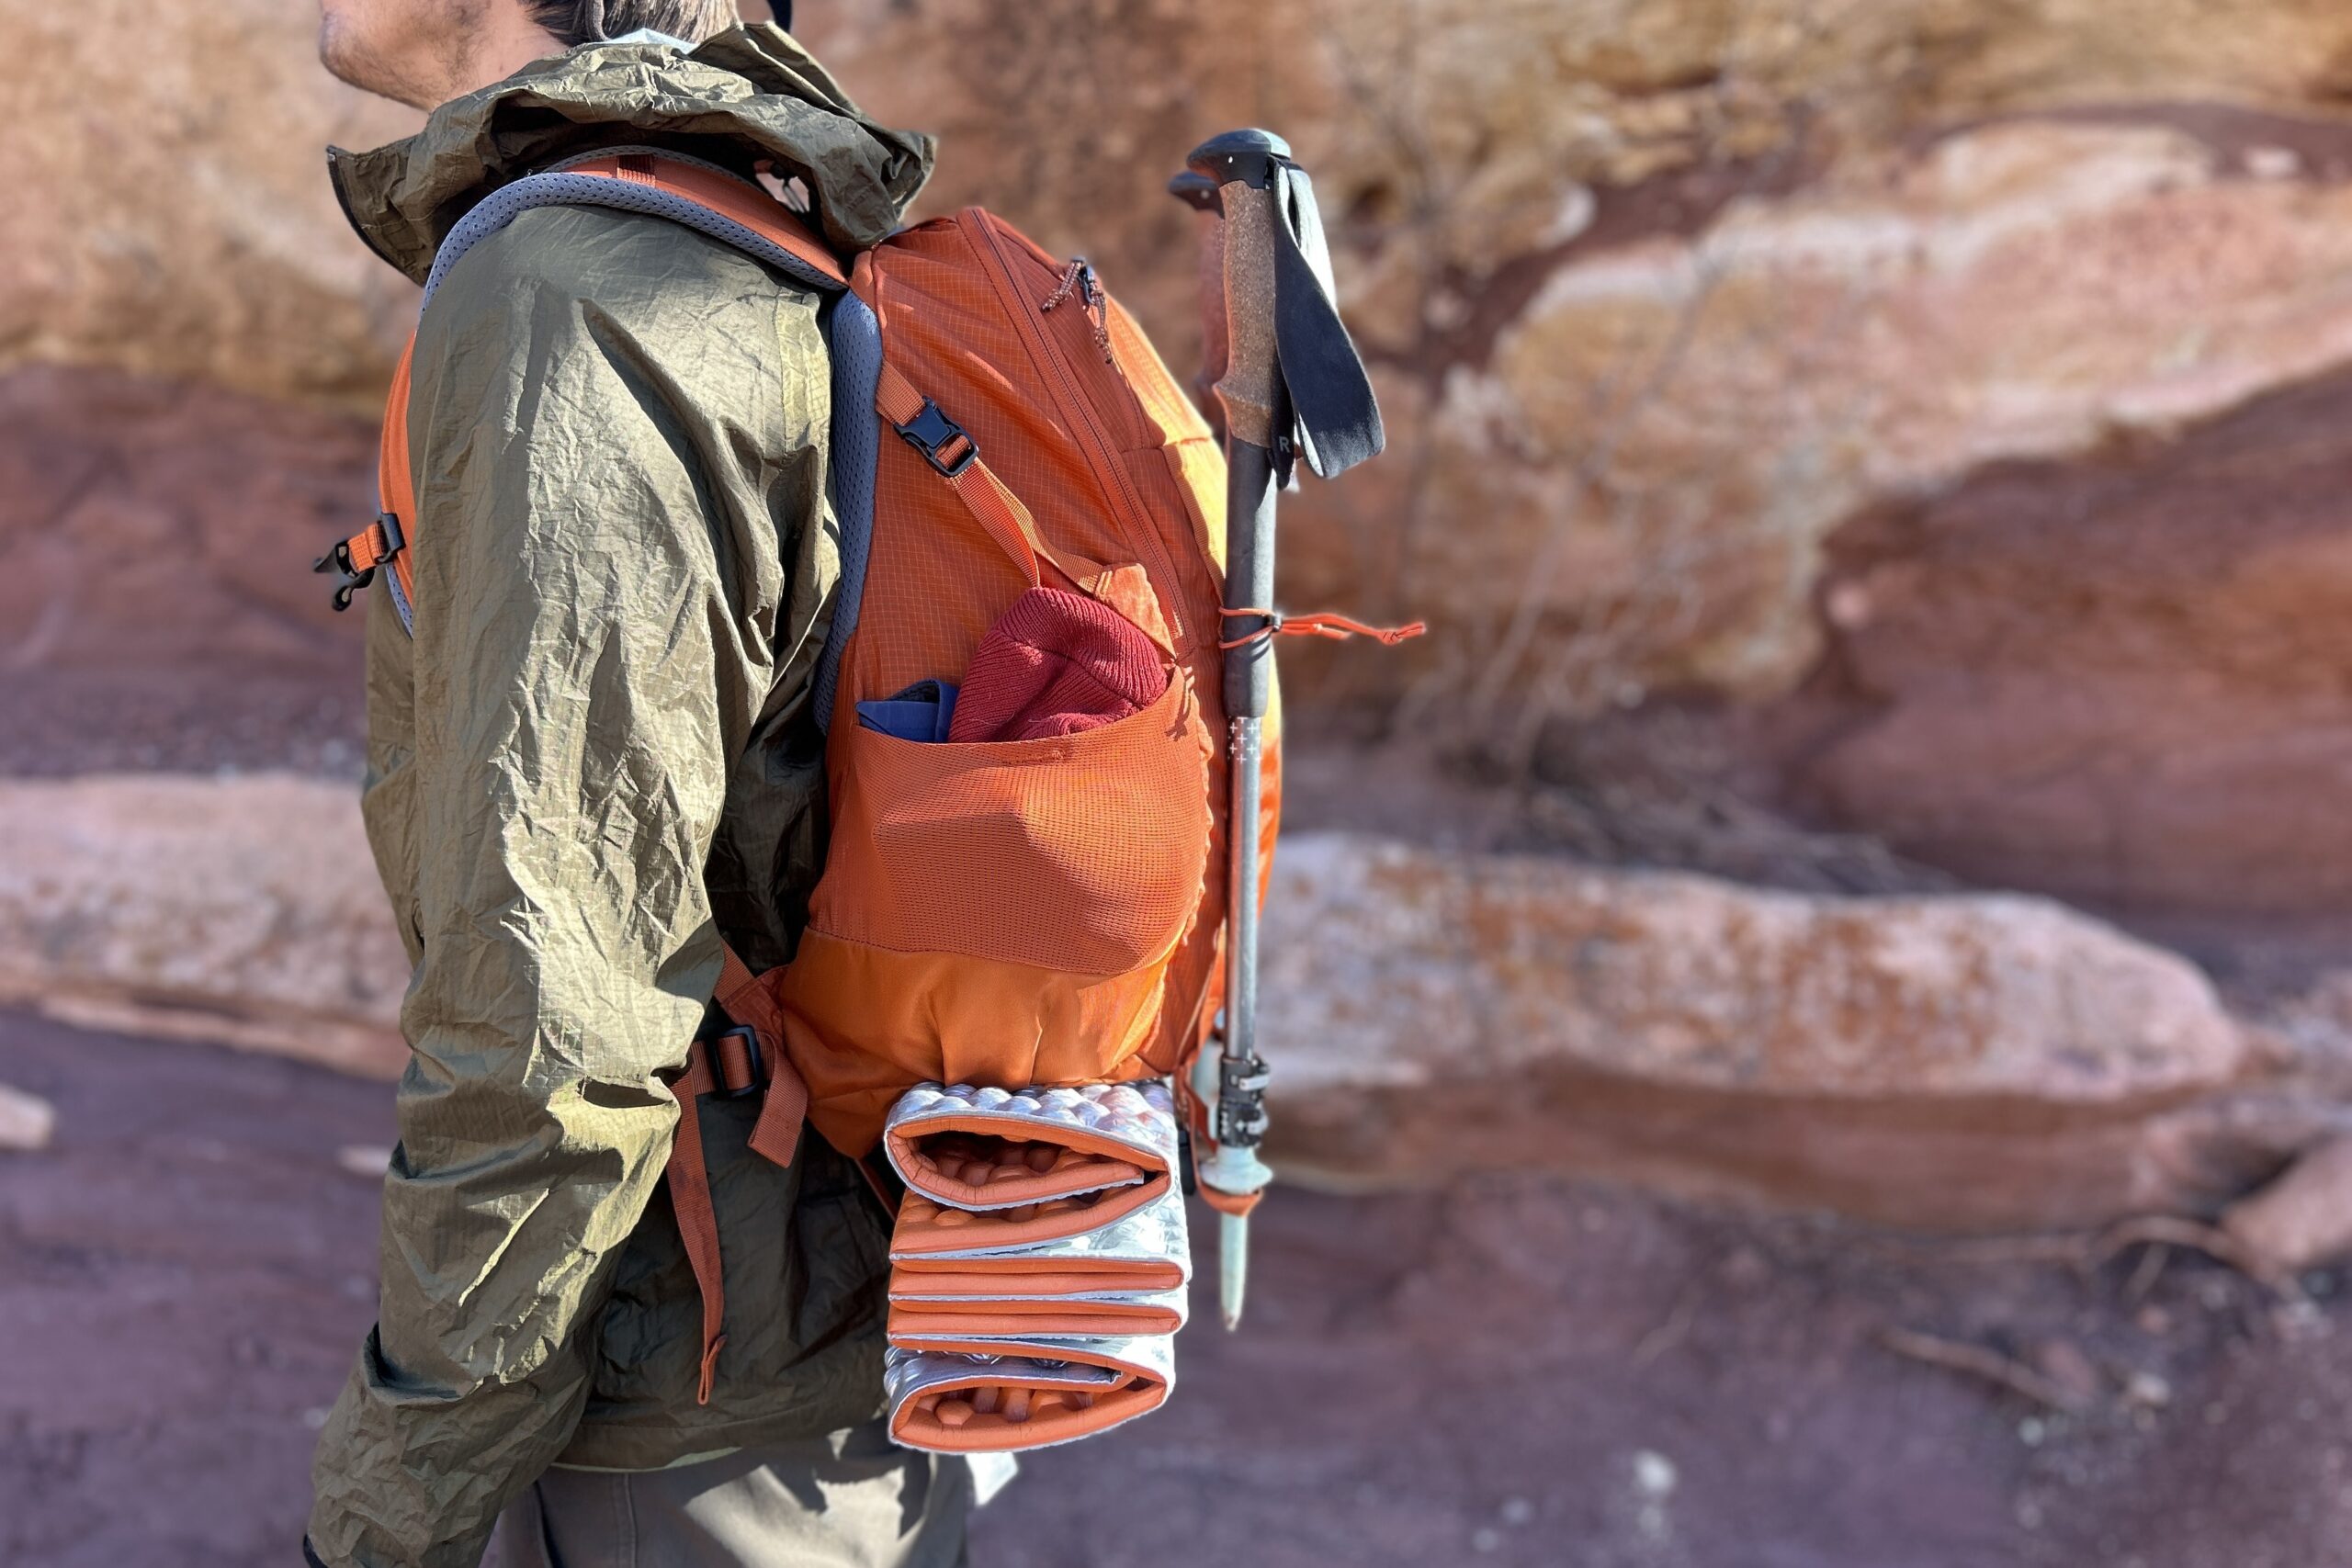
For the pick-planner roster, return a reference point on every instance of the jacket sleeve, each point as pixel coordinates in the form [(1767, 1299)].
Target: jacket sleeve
[(611, 418)]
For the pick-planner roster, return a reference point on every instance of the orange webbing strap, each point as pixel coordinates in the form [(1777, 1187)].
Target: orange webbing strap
[(727, 1065), (751, 1004), (1323, 623), (724, 194), (882, 1182), (698, 1222), (995, 508), (393, 483), (745, 998), (372, 545), (1235, 1203), (985, 496)]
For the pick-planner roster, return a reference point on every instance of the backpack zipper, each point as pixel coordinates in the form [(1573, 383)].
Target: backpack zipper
[(1079, 282), (1101, 454)]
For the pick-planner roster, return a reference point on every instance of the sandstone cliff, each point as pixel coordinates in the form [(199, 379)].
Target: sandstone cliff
[(1945, 397)]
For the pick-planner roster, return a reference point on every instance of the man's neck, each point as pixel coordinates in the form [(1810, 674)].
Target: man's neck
[(509, 40)]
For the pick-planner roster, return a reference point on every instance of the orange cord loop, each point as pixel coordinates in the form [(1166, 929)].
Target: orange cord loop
[(1323, 623)]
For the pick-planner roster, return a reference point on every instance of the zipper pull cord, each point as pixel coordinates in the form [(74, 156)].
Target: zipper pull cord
[(1078, 278), (1073, 277)]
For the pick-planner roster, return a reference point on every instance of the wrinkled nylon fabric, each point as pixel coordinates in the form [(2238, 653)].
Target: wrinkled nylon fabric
[(749, 94), (596, 757)]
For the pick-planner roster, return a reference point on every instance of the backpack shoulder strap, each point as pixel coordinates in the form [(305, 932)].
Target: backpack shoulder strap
[(664, 184), (688, 191), (395, 492), (384, 542)]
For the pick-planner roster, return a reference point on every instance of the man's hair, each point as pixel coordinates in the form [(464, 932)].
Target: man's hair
[(580, 21)]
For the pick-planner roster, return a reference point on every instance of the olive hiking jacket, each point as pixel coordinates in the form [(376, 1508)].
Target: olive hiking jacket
[(595, 758)]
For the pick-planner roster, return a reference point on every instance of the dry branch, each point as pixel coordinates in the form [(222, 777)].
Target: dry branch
[(2167, 1230), (1955, 1355)]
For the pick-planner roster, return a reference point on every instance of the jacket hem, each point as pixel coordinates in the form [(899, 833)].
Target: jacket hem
[(654, 1445)]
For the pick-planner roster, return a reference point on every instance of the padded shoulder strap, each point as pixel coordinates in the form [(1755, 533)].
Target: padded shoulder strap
[(395, 493), (700, 196)]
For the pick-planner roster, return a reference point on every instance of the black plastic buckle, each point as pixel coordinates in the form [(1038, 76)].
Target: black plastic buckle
[(752, 1048), (930, 431), (349, 581)]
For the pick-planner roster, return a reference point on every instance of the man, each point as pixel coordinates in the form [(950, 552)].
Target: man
[(595, 758)]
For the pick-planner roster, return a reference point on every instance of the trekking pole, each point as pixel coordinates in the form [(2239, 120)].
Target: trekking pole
[(1283, 346)]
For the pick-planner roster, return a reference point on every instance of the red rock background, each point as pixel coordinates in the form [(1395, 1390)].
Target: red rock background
[(1735, 354), (1874, 469)]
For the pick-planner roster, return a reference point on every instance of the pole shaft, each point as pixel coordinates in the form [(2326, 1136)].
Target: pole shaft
[(1249, 577), (1249, 691)]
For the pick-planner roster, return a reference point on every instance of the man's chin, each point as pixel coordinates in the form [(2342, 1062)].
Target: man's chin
[(349, 60)]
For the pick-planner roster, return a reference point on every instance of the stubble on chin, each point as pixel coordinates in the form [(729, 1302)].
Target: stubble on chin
[(416, 66)]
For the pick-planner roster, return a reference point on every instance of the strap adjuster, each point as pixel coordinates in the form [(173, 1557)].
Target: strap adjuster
[(931, 432), (381, 540), (756, 1064)]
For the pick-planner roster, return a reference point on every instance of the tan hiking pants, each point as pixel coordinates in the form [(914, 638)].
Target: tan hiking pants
[(852, 1500)]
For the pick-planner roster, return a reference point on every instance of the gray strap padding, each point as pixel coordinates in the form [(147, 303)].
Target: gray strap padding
[(856, 341), (507, 203), (400, 601)]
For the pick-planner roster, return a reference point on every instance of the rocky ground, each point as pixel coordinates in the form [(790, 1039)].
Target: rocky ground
[(1512, 1370)]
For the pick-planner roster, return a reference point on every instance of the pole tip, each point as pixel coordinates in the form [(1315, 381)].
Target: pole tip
[(1233, 1266)]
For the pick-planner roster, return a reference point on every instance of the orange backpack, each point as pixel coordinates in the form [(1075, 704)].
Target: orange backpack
[(1042, 912)]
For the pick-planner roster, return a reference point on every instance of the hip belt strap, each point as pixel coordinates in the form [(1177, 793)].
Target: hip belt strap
[(737, 1062)]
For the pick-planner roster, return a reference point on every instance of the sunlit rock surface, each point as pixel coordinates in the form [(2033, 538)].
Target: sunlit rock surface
[(1671, 306), (243, 911), (168, 210), (1966, 1062), (1970, 1062)]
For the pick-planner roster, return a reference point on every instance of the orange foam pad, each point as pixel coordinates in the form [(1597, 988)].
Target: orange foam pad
[(920, 1278), (912, 1321), (973, 1164), (928, 1226), (990, 1412)]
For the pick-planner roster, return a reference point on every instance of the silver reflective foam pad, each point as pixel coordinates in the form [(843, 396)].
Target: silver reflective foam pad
[(1157, 1232), (1138, 1118)]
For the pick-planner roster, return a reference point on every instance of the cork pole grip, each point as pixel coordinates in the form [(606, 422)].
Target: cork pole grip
[(1250, 386)]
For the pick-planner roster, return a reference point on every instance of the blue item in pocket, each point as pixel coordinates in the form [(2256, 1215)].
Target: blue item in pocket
[(921, 712)]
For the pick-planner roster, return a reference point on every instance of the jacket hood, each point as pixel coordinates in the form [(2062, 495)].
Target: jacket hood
[(748, 94)]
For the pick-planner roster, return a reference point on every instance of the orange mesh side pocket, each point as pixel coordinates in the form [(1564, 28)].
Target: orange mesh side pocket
[(1080, 853), (998, 913)]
